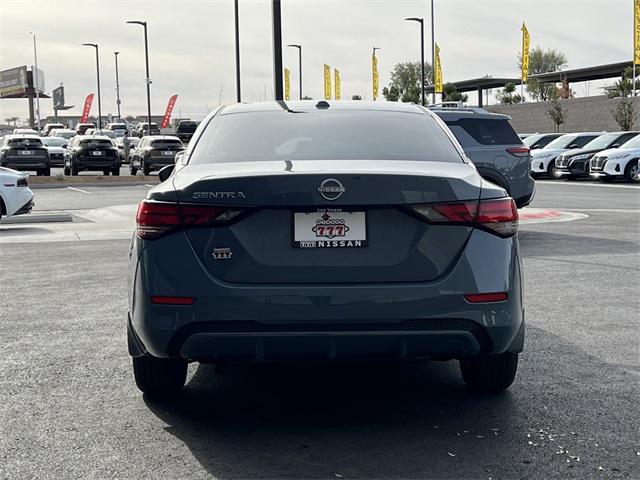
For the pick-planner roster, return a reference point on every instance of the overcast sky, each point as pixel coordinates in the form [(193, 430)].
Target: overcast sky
[(192, 50)]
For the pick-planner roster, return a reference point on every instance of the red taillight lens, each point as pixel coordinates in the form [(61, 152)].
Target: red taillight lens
[(499, 216), (518, 151), (163, 300), (155, 219), (486, 297)]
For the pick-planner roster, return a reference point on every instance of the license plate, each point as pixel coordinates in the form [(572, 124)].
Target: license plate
[(26, 152), (167, 153), (330, 228), (96, 153)]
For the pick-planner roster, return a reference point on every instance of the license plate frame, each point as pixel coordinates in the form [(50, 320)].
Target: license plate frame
[(310, 231), (167, 153), (26, 152), (97, 153)]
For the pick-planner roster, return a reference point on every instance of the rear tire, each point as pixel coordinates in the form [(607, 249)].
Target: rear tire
[(74, 171), (115, 172), (133, 171), (551, 169), (106, 172), (46, 172), (159, 377), (67, 171), (146, 169), (490, 373), (631, 172)]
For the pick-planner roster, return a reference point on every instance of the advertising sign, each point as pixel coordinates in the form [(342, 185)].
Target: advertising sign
[(167, 112), (58, 98), (87, 108), (13, 81)]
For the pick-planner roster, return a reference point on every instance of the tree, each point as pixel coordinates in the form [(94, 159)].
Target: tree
[(405, 82), (625, 114), (556, 113), (543, 61), (13, 120), (451, 94), (624, 86), (508, 96)]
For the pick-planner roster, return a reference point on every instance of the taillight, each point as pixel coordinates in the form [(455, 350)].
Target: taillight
[(22, 182), (486, 297), (155, 219), (518, 151), (499, 216)]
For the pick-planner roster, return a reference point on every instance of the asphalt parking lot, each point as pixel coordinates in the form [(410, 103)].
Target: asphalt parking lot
[(69, 407)]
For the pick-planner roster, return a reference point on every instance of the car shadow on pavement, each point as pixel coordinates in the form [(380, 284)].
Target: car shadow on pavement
[(408, 421), (551, 244)]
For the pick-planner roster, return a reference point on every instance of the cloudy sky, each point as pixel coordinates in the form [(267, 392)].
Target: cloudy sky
[(192, 50)]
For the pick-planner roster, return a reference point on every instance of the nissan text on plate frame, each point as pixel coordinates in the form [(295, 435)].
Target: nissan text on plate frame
[(334, 232)]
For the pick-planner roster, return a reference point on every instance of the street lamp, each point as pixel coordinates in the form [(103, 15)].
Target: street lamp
[(276, 21), (433, 55), (95, 45), (147, 80), (35, 80), (299, 47), (115, 54), (237, 22), (421, 21)]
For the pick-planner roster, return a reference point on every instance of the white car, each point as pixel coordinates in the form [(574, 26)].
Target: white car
[(57, 148), (543, 161), (621, 162), (16, 198), (24, 131), (65, 133)]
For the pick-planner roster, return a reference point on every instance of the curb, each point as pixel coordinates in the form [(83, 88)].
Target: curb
[(58, 217), (80, 185)]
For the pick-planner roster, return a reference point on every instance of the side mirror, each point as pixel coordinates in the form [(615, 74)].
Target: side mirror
[(535, 147), (573, 145), (179, 156), (615, 145), (165, 172)]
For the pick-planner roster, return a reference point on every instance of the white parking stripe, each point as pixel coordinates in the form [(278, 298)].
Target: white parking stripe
[(150, 186), (607, 210), (78, 189), (565, 184)]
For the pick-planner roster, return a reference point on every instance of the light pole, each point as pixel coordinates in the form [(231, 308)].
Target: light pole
[(35, 80), (276, 18), (299, 47), (373, 55), (433, 56), (237, 23), (421, 21), (147, 80), (115, 54), (95, 45)]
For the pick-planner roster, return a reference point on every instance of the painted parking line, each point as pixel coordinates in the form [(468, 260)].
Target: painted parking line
[(576, 184), (78, 190), (150, 186)]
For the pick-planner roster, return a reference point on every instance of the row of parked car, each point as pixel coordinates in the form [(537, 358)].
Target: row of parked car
[(599, 155)]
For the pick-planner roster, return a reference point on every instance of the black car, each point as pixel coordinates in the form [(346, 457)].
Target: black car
[(92, 153), (186, 129), (25, 153), (576, 163), (142, 129), (154, 152)]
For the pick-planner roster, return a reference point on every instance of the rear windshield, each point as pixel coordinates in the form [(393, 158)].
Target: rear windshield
[(485, 131), (573, 141), (96, 143), (54, 142), (118, 126), (25, 143), (188, 127), (325, 135), (167, 145)]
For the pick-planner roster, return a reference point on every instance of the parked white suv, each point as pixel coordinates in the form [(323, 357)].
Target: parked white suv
[(543, 161), (621, 162)]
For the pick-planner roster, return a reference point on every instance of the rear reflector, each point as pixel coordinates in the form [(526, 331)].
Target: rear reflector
[(486, 297), (160, 300), (155, 219), (518, 151), (499, 216)]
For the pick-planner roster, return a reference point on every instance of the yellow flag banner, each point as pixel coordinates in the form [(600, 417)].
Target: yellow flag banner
[(374, 74), (636, 32), (337, 82), (327, 82), (526, 41), (438, 78), (287, 84)]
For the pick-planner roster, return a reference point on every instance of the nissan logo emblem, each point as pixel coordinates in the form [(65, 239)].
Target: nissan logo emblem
[(331, 189)]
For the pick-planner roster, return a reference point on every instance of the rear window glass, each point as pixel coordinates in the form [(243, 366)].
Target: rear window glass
[(167, 144), (188, 127), (486, 131), (324, 135), (96, 143), (25, 142), (54, 142)]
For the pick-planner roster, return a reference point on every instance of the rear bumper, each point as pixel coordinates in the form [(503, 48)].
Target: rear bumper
[(396, 321), (96, 164), (27, 165), (26, 208)]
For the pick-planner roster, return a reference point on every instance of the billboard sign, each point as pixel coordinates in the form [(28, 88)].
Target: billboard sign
[(58, 98), (14, 81)]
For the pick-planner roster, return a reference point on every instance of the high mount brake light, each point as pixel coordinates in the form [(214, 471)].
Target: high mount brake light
[(499, 216), (155, 219)]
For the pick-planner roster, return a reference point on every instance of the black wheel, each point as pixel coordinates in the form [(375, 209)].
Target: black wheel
[(146, 169), (74, 171), (133, 171), (67, 171), (106, 172), (490, 373), (631, 173), (115, 172), (551, 169), (46, 172), (159, 377)]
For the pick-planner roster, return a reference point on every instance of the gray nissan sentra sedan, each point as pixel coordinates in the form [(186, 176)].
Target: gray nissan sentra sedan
[(306, 231)]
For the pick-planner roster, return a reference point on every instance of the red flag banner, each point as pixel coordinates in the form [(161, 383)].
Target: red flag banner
[(87, 108), (167, 113)]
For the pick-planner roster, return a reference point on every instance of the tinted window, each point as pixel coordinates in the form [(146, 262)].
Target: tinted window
[(167, 144), (625, 138), (541, 140), (608, 139), (324, 135), (96, 143), (54, 142), (487, 131), (187, 127), (25, 143), (633, 143)]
